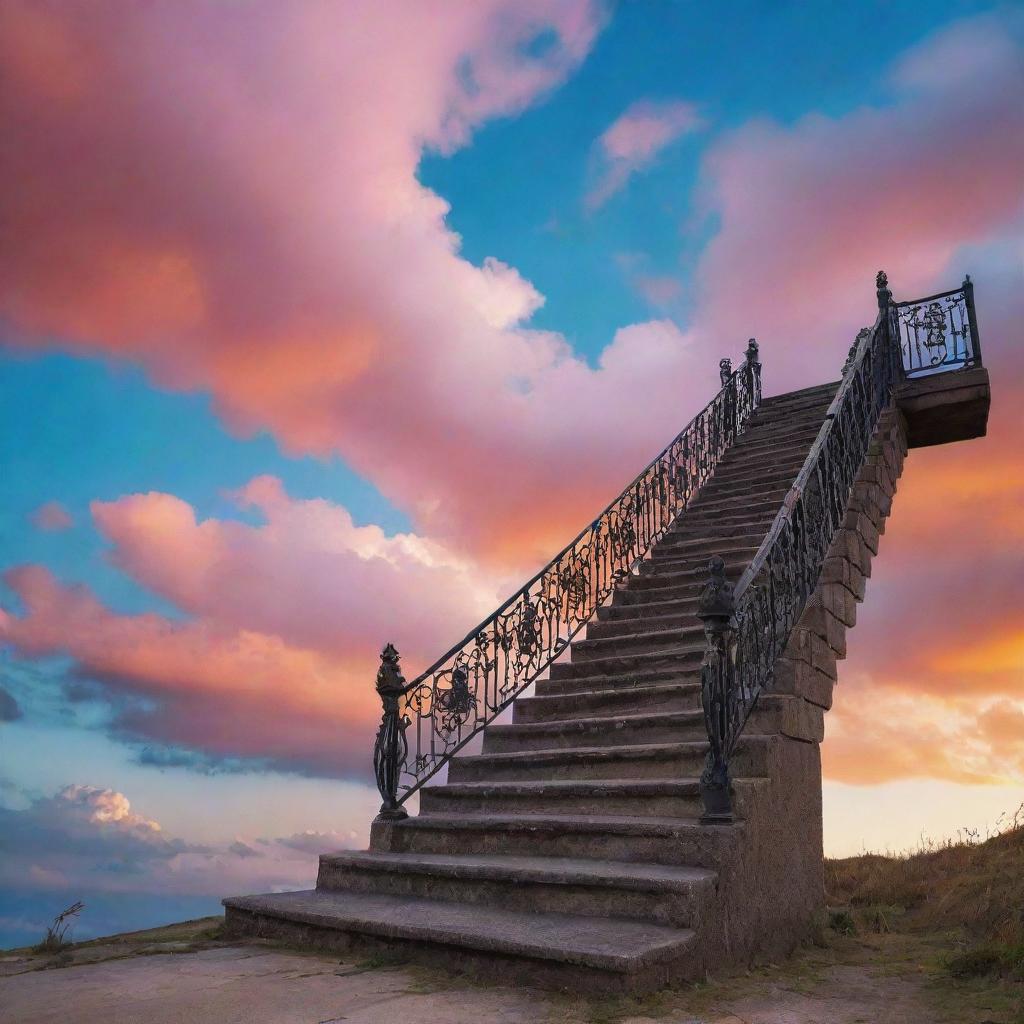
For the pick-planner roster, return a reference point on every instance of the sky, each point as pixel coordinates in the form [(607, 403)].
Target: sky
[(325, 325)]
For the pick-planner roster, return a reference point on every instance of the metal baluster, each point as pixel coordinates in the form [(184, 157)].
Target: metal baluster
[(715, 609)]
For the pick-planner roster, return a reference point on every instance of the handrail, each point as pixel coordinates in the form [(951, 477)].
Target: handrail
[(747, 627), (465, 689)]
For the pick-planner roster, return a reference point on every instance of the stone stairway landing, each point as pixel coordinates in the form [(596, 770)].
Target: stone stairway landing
[(569, 851)]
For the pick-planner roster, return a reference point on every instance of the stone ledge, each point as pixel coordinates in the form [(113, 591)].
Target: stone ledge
[(945, 407)]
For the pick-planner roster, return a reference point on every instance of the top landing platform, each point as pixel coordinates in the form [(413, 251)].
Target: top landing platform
[(945, 407)]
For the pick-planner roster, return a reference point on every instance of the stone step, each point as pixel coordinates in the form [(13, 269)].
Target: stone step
[(724, 485), (608, 628), (554, 949), (695, 571), (579, 682), (796, 401), (653, 588), (747, 465), (697, 561), (764, 444), (670, 798), (647, 641), (751, 513), (658, 893), (597, 731), (651, 839), (751, 500), (642, 611), (630, 599), (786, 461), (660, 697), (781, 415), (819, 392), (636, 761), (788, 418), (703, 529), (675, 548), (679, 658)]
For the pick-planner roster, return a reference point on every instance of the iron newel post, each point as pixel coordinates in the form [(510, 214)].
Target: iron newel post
[(888, 307), (752, 368), (717, 680), (390, 748), (730, 410), (972, 318)]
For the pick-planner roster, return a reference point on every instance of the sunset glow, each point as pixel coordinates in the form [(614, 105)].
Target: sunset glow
[(325, 324)]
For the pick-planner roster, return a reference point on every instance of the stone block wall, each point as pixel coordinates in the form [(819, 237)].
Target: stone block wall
[(777, 876)]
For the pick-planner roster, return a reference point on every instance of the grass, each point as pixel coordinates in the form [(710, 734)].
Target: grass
[(971, 887), (56, 939)]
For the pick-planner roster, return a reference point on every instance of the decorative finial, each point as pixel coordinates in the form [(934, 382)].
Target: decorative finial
[(389, 676), (752, 351), (882, 289), (724, 370), (717, 602)]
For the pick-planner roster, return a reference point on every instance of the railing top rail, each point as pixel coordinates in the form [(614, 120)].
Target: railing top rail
[(931, 298), (800, 483), (517, 596)]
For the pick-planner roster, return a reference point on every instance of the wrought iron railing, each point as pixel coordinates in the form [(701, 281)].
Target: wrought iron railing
[(426, 721), (939, 332), (748, 627)]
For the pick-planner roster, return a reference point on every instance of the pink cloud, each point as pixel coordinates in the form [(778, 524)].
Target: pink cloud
[(240, 224), (286, 619), (377, 341), (52, 517), (211, 161), (307, 574), (232, 693), (635, 140)]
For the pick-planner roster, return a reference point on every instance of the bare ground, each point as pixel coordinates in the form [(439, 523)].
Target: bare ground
[(185, 974)]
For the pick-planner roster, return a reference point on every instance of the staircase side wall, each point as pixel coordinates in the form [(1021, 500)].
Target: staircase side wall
[(771, 891)]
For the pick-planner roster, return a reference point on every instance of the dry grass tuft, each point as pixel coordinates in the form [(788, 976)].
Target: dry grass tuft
[(972, 884), (56, 939)]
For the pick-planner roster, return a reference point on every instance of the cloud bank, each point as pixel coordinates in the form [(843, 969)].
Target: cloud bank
[(86, 843), (246, 220)]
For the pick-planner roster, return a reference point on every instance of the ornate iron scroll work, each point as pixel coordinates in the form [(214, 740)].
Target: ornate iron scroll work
[(455, 698), (747, 629), (939, 333)]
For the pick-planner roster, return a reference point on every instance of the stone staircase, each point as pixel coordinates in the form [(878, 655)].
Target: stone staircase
[(570, 851)]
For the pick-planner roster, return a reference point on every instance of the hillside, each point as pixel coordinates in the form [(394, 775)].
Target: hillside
[(971, 890)]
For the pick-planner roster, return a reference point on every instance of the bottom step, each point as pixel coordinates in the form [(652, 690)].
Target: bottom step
[(630, 955)]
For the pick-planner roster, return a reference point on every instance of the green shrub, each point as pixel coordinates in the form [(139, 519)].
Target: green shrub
[(982, 961), (841, 921)]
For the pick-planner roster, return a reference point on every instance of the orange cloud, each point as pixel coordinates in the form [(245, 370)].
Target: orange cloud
[(230, 692), (875, 734)]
